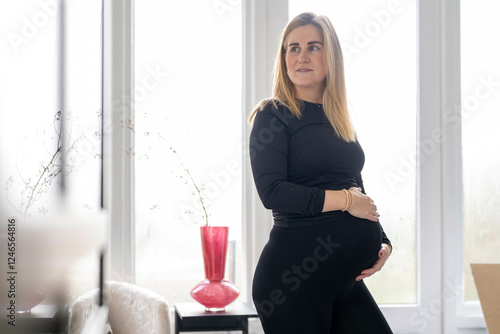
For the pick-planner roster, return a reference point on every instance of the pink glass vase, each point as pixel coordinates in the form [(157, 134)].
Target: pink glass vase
[(214, 292)]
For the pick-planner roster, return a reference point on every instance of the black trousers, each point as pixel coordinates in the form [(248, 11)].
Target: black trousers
[(305, 283)]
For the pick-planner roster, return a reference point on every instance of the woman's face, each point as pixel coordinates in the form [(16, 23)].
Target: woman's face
[(305, 61)]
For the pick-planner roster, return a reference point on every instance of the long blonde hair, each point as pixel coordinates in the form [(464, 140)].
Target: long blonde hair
[(334, 96)]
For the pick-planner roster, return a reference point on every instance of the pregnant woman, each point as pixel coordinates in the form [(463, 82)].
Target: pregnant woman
[(306, 163)]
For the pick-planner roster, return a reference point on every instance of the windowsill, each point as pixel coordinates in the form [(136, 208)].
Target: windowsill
[(471, 321)]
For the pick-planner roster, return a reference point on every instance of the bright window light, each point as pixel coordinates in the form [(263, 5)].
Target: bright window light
[(188, 65)]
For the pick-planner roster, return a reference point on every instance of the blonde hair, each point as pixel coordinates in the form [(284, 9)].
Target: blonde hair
[(334, 96)]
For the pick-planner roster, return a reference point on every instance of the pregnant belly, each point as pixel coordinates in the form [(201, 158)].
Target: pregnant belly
[(360, 241)]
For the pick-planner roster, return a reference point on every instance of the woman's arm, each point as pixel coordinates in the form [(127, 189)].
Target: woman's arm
[(269, 160), (361, 205), (334, 200)]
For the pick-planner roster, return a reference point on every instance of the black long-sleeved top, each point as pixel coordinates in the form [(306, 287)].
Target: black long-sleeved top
[(295, 160)]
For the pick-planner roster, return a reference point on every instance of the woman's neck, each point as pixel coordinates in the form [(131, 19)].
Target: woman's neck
[(313, 96)]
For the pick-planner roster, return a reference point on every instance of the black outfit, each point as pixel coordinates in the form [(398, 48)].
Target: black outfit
[(305, 279)]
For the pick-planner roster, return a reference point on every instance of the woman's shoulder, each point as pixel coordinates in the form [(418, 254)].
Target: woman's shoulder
[(276, 108)]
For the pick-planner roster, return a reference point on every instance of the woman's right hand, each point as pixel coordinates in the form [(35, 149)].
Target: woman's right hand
[(362, 205)]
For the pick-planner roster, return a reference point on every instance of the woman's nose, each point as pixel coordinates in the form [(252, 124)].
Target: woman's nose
[(303, 57)]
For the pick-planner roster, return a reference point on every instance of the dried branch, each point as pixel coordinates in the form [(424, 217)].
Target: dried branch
[(193, 182)]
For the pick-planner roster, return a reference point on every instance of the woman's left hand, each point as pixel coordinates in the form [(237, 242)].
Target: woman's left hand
[(383, 255)]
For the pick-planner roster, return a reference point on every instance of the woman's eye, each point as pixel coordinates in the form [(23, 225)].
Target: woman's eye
[(294, 49), (313, 48)]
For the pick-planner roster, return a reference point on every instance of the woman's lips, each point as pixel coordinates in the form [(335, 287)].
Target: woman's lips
[(304, 70)]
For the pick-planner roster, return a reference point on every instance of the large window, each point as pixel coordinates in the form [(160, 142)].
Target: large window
[(188, 65), (378, 40), (480, 136)]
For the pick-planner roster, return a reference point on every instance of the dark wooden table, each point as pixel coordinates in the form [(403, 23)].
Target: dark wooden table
[(43, 319), (192, 317)]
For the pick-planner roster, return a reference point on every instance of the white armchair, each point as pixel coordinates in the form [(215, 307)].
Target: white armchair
[(132, 310)]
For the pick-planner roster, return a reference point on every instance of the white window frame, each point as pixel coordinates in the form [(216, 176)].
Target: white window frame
[(118, 168), (458, 315)]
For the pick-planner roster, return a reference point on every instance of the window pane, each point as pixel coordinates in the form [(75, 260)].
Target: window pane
[(30, 160), (83, 108), (188, 64), (480, 135), (28, 107), (378, 39)]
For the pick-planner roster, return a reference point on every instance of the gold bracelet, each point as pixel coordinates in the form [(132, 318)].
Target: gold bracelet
[(348, 200)]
